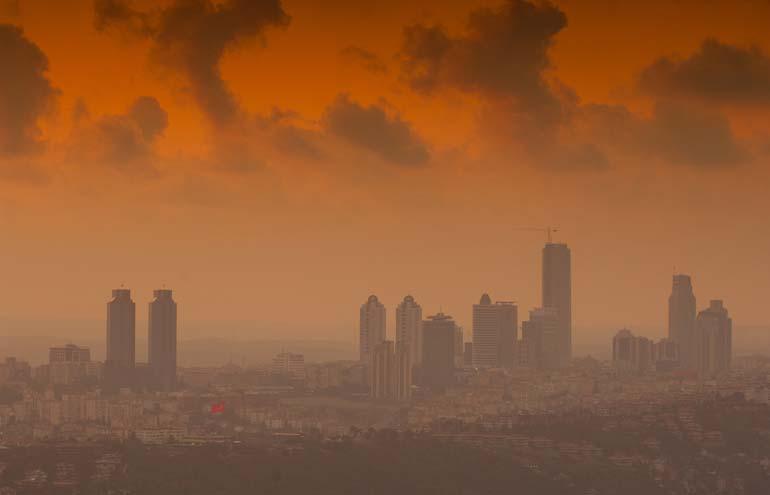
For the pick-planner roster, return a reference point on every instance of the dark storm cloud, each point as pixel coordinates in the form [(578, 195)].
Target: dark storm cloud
[(368, 60), (717, 72), (26, 93), (677, 133), (108, 12), (681, 134), (149, 116), (192, 36), (124, 142), (502, 53), (373, 129)]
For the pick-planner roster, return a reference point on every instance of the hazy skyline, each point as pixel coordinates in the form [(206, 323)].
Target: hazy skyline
[(291, 168)]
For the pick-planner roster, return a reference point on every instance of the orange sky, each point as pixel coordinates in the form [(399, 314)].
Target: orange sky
[(291, 223)]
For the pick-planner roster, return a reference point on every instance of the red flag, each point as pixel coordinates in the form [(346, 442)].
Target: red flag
[(218, 408)]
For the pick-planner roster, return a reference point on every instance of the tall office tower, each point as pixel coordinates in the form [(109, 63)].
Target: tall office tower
[(409, 327), (631, 353), (121, 330), (508, 321), (681, 319), (439, 335), (495, 328), (557, 294), (403, 372), (162, 339), (381, 371), (543, 338), (713, 340), (372, 330)]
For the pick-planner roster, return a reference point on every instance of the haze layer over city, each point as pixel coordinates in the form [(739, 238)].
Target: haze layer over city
[(296, 168)]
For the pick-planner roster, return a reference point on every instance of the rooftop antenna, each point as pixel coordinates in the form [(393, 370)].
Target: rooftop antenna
[(549, 231)]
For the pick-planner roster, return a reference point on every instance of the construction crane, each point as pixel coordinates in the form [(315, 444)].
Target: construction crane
[(549, 231)]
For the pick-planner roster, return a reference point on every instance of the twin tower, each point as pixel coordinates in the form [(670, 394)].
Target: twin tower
[(161, 338)]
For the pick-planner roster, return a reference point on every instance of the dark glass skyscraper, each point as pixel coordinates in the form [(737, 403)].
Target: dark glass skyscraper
[(557, 294), (162, 339), (681, 319), (121, 330), (438, 351)]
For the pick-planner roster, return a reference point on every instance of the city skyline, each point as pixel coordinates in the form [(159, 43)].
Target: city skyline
[(293, 194)]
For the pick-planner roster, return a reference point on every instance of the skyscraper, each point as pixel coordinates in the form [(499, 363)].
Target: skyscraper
[(403, 372), (390, 372), (372, 330), (438, 351), (681, 319), (713, 340), (162, 339), (121, 331), (409, 328), (557, 294), (541, 339), (495, 328), (382, 385)]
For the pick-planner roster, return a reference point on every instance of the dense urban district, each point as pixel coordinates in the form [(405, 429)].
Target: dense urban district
[(506, 408)]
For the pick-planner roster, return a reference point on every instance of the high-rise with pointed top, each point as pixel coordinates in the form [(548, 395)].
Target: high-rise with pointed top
[(681, 319)]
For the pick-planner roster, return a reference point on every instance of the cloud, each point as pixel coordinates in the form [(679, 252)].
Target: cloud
[(502, 58), (123, 142), (288, 132), (682, 134), (371, 128), (676, 133), (503, 53), (368, 60), (149, 116), (717, 72), (26, 93), (192, 36)]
